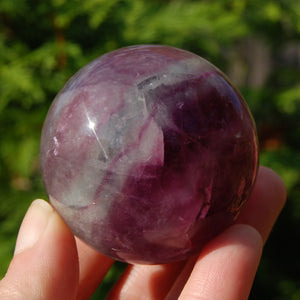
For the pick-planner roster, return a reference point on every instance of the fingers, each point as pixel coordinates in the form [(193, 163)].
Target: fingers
[(226, 267), (146, 282), (45, 264), (261, 212), (224, 270), (266, 202), (93, 267)]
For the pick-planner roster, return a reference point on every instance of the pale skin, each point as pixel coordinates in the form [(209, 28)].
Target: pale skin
[(50, 263)]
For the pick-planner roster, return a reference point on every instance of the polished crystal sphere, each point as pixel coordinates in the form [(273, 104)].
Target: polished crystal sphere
[(147, 153)]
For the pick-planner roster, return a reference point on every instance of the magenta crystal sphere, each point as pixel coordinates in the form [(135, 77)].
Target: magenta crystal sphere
[(147, 153)]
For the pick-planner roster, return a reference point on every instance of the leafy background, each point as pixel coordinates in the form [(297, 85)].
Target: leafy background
[(257, 43)]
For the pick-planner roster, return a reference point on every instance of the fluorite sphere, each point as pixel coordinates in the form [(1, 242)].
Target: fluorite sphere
[(147, 153)]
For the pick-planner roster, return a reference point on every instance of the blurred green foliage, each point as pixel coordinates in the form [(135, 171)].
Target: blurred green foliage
[(257, 43)]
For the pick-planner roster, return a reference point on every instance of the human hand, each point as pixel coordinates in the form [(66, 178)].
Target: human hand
[(49, 263)]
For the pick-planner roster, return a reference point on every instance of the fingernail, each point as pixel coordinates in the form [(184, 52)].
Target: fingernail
[(33, 225)]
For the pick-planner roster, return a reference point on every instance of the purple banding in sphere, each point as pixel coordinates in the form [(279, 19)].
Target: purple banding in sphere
[(148, 152)]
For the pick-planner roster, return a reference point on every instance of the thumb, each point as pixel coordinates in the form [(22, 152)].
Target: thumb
[(45, 262)]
